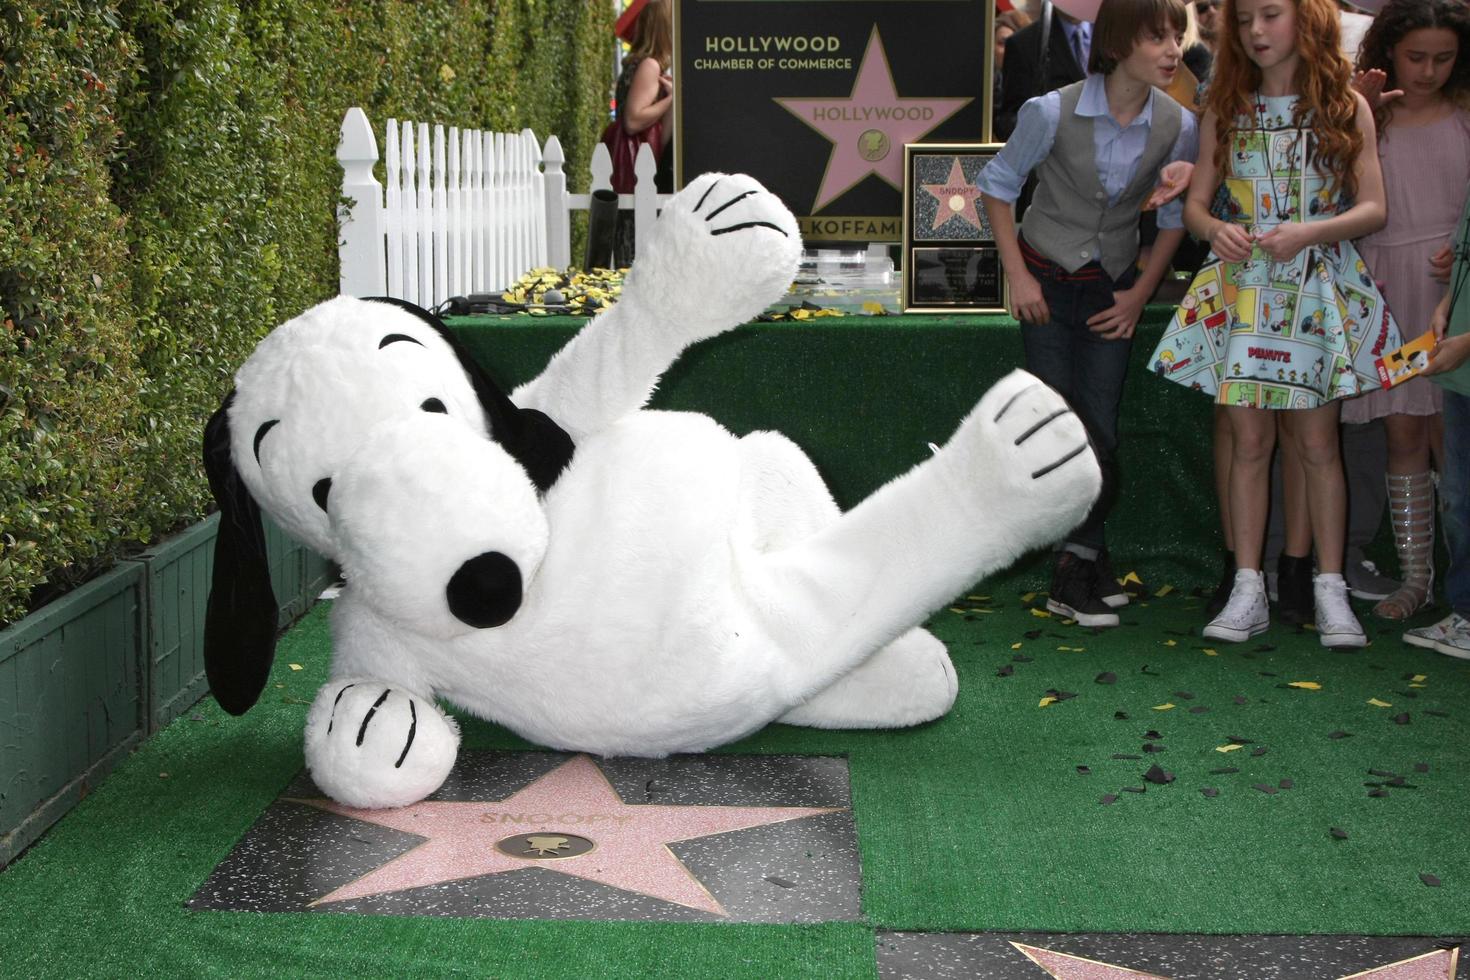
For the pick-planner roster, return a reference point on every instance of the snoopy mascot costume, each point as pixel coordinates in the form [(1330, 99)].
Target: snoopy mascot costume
[(684, 587)]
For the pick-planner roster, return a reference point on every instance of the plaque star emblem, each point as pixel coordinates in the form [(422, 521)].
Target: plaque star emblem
[(956, 198), (870, 126), (1439, 964), (631, 842)]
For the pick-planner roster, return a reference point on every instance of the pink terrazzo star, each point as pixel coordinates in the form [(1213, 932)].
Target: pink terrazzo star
[(956, 197), (630, 849), (1438, 965), (870, 126), (1064, 966)]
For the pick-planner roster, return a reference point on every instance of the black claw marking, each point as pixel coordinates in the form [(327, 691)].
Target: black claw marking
[(1043, 423), (396, 338), (705, 195), (333, 719), (1007, 406), (413, 724), (369, 716), (734, 200), (749, 224), (1047, 469)]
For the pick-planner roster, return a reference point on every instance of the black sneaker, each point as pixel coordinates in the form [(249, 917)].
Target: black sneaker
[(1295, 604), (1108, 589), (1074, 592)]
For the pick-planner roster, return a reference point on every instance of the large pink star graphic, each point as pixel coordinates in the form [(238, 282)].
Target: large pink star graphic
[(630, 842), (870, 126), (1437, 965), (956, 197)]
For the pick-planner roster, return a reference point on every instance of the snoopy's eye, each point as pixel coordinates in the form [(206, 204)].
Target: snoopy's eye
[(320, 491), (260, 434), (434, 405)]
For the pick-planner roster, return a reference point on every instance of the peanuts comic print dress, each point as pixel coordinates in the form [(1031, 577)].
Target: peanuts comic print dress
[(1270, 334)]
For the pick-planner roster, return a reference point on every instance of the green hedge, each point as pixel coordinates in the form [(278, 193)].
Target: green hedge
[(169, 194)]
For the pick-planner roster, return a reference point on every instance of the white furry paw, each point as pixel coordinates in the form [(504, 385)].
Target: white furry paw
[(908, 682), (369, 744), (1041, 463), (724, 249)]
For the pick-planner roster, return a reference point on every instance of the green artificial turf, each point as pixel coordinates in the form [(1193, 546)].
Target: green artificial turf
[(979, 821)]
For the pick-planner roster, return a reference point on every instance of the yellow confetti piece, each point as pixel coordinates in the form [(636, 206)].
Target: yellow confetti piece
[(986, 598), (1163, 707), (1211, 653), (955, 609), (1163, 591), (1028, 597), (1171, 643), (1041, 614), (1306, 685), (1015, 646), (1046, 701), (1228, 748), (1130, 577), (1380, 704), (1418, 685), (295, 666), (1419, 677), (984, 612), (869, 306)]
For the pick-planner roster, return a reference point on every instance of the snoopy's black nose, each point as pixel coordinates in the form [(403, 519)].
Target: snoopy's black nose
[(486, 591)]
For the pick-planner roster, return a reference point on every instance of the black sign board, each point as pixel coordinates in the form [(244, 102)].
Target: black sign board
[(816, 99)]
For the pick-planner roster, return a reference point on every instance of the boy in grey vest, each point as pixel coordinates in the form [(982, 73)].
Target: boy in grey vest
[(1098, 147)]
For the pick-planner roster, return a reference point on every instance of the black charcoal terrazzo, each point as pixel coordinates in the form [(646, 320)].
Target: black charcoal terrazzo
[(990, 955), (797, 871)]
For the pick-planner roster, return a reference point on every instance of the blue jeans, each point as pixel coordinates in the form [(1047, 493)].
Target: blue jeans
[(1454, 495), (1083, 368)]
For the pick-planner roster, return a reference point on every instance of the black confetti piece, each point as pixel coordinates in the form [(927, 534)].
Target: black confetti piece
[(1198, 709), (1437, 714), (1267, 673), (1396, 781), (1120, 716), (1421, 767), (1084, 770), (1005, 671), (1135, 789), (1266, 648), (1152, 734), (1340, 734), (1152, 747), (1429, 880), (1338, 833), (1385, 773), (1210, 791), (1258, 751), (1223, 771), (1060, 695), (1158, 776), (1240, 699), (1151, 673), (1378, 792), (1032, 634), (780, 882), (1124, 755), (1240, 740), (1407, 694), (1021, 658), (1401, 719), (1184, 695), (1109, 798), (1286, 784), (1266, 788), (1106, 677)]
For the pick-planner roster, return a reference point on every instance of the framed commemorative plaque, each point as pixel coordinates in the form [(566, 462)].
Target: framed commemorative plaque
[(950, 261)]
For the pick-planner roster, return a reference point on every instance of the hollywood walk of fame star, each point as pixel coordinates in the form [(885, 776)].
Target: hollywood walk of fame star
[(956, 198), (631, 849), (1439, 964), (866, 127)]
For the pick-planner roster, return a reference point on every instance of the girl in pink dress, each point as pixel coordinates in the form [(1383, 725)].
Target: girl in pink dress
[(1415, 67)]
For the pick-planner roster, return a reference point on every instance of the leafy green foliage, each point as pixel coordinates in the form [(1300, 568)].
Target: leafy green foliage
[(169, 193)]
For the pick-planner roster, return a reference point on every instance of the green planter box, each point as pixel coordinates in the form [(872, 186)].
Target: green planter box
[(70, 680), (83, 679)]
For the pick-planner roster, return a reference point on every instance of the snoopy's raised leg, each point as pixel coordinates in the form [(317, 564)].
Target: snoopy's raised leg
[(1017, 474), (723, 250)]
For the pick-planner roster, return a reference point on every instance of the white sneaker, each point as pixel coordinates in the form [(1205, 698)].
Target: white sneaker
[(1450, 636), (1337, 627), (1246, 614)]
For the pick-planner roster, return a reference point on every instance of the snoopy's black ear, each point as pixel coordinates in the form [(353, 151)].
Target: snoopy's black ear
[(240, 622), (531, 436)]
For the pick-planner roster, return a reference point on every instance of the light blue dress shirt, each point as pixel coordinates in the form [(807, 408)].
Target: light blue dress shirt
[(1117, 149)]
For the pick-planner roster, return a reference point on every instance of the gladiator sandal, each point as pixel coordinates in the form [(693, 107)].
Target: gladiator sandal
[(1411, 511)]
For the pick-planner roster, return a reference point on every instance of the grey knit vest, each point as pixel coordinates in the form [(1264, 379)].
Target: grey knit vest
[(1070, 211)]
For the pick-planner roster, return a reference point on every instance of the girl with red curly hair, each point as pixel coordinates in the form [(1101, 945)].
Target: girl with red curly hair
[(1283, 320)]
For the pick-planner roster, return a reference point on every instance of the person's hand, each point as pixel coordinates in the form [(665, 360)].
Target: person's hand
[(1284, 241), (1370, 86), (1448, 355), (665, 86), (1026, 301), (1173, 180), (1440, 264), (1230, 242), (1118, 321)]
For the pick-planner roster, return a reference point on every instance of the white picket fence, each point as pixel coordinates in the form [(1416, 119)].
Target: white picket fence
[(464, 211)]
